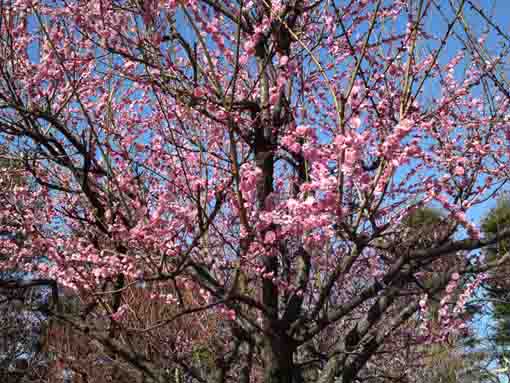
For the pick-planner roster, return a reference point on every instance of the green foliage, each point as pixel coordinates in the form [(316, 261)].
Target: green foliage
[(426, 227), (459, 360), (10, 171), (422, 217), (498, 283), (497, 220)]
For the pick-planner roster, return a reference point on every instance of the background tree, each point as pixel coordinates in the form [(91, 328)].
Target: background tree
[(22, 326), (459, 356), (496, 287)]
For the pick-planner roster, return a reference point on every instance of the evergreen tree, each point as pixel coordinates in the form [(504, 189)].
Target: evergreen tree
[(497, 284), (458, 360)]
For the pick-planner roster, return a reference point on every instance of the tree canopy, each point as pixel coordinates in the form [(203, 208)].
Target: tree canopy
[(234, 191)]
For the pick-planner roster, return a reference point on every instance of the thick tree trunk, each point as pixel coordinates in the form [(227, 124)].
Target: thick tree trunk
[(278, 364), (278, 349)]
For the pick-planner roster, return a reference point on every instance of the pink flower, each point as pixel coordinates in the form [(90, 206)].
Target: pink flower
[(350, 157), (356, 122), (120, 313), (231, 314), (198, 92), (459, 171), (302, 130), (270, 237), (295, 148)]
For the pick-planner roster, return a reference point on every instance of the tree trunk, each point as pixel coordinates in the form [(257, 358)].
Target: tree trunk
[(278, 363)]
